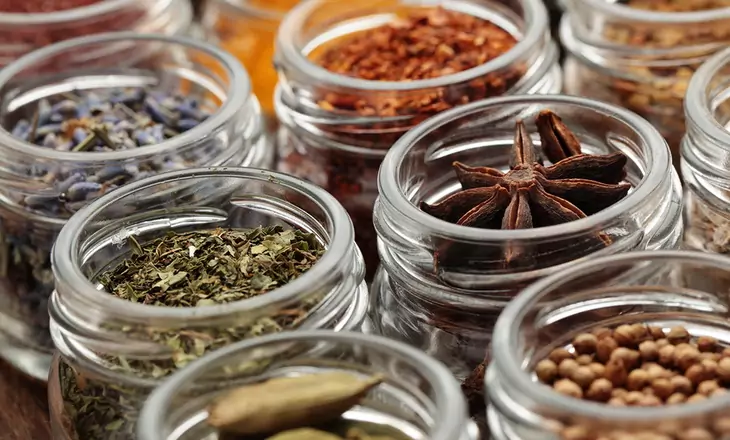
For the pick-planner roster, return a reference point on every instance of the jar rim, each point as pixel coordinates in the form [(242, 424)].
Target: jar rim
[(243, 7), (390, 190), (448, 401), (65, 251), (239, 91), (622, 11), (510, 367), (67, 15), (535, 16), (696, 105)]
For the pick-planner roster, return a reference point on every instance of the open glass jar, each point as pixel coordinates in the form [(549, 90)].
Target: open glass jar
[(247, 29), (418, 400), (663, 289), (640, 59), (330, 133), (449, 310), (705, 154), (114, 351), (37, 180), (27, 30)]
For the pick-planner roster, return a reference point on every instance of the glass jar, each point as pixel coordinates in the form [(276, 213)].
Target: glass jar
[(247, 29), (705, 155), (639, 59), (21, 33), (34, 177), (448, 310), (114, 351), (341, 150), (419, 399), (663, 289)]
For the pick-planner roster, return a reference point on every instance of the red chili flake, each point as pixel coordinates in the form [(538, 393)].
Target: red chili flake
[(425, 44)]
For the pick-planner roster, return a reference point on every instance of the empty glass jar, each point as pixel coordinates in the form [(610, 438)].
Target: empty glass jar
[(418, 399), (664, 289)]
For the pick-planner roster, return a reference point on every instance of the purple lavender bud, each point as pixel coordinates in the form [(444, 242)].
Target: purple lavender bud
[(81, 191)]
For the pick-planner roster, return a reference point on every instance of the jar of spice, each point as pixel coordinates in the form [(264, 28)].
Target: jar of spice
[(354, 76), (85, 116), (641, 54), (164, 270), (704, 155), (639, 346), (416, 397), (32, 24), (441, 286), (247, 29)]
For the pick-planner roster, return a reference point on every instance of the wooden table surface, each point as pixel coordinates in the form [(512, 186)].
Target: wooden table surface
[(23, 407)]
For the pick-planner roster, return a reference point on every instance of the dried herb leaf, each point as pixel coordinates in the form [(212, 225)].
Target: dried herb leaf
[(289, 402)]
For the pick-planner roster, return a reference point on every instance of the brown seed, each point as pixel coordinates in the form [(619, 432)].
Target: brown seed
[(602, 332), (576, 432), (656, 371), (709, 365), (650, 400), (723, 369), (678, 335), (696, 434), (656, 332), (616, 401), (637, 380), (676, 398), (569, 388), (624, 335), (583, 376), (697, 373), (567, 368), (710, 356), (546, 371), (725, 352), (619, 392), (662, 342), (707, 387), (585, 343), (604, 348), (686, 357), (662, 387), (634, 398), (666, 355), (600, 390), (584, 359), (694, 398), (706, 344), (560, 354), (628, 356), (616, 372), (640, 332), (649, 351), (718, 392), (598, 369), (682, 385), (721, 425)]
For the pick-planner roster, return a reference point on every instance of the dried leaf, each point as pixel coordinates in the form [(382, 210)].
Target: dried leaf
[(289, 402)]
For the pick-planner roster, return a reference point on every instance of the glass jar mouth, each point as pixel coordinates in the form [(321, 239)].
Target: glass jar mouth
[(244, 7), (68, 15), (535, 17), (66, 251), (697, 107), (389, 174), (448, 401), (238, 93), (510, 367), (624, 12)]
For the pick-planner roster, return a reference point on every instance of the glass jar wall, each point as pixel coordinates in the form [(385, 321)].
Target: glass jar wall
[(418, 399), (640, 58), (336, 129), (247, 29), (447, 306), (705, 156), (34, 24), (662, 289), (43, 185), (114, 351)]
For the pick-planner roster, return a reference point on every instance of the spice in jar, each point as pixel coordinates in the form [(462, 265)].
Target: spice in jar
[(643, 366), (84, 122), (268, 410), (192, 269), (41, 6), (423, 44)]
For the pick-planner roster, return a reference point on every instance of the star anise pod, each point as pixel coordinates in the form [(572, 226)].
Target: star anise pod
[(531, 195)]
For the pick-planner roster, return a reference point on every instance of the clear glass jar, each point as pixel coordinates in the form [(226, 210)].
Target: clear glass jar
[(247, 29), (639, 59), (233, 135), (419, 399), (24, 33), (99, 336), (664, 289), (449, 313), (341, 150), (705, 154)]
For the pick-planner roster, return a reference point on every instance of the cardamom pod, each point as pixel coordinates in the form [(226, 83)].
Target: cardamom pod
[(288, 402), (305, 434)]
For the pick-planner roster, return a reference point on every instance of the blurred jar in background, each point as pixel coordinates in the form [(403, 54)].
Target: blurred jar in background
[(247, 29)]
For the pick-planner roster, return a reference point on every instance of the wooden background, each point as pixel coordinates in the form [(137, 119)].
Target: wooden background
[(23, 407)]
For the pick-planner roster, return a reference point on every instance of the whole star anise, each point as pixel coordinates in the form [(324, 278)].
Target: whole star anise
[(531, 195)]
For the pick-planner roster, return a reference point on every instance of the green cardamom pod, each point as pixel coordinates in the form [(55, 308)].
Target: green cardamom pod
[(288, 402)]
